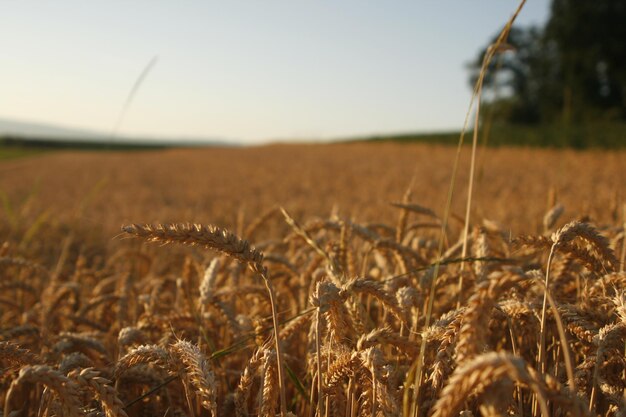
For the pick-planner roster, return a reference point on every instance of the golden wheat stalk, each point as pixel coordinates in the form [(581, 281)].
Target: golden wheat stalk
[(65, 389), (472, 335), (16, 355), (210, 237), (101, 387), (213, 237), (478, 374), (140, 355), (560, 239), (198, 370)]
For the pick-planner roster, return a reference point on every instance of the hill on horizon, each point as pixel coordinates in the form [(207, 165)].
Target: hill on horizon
[(41, 131)]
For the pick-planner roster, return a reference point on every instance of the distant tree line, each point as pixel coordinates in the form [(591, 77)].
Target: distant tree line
[(571, 72)]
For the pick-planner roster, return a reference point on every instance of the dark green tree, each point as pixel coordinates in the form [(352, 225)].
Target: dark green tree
[(571, 70), (590, 40)]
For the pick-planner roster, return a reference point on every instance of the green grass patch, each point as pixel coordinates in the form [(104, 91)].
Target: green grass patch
[(14, 152), (591, 135), (12, 147), (583, 136)]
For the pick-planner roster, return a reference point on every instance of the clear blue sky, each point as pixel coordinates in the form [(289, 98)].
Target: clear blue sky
[(247, 70)]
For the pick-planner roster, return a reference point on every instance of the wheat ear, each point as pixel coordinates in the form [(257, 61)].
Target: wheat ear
[(142, 354), (268, 391), (213, 237), (103, 391), (560, 239), (16, 355), (480, 373), (242, 392), (199, 372), (473, 332), (62, 386)]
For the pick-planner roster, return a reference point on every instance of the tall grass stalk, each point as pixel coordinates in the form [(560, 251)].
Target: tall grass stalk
[(413, 406)]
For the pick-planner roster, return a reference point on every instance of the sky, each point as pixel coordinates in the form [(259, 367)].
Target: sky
[(248, 71)]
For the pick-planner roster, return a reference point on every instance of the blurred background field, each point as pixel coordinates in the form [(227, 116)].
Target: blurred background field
[(95, 192)]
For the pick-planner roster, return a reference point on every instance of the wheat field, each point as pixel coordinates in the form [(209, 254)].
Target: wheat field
[(313, 280)]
